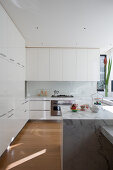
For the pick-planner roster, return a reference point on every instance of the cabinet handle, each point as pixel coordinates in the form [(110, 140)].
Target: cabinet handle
[(18, 64), (25, 102), (3, 55), (10, 115), (3, 115), (10, 110), (12, 59)]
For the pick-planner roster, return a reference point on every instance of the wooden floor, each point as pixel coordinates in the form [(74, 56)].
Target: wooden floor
[(37, 147)]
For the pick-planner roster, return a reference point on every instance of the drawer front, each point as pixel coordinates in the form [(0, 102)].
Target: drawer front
[(40, 105), (39, 114)]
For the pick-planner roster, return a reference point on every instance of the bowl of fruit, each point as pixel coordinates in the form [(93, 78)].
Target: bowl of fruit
[(74, 107)]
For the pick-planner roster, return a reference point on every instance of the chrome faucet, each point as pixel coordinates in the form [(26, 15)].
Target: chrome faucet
[(55, 92)]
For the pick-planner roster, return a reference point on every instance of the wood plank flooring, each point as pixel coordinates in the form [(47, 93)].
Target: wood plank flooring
[(37, 147)]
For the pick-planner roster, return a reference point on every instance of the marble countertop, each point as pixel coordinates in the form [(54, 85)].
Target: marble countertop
[(50, 98), (104, 113), (107, 131)]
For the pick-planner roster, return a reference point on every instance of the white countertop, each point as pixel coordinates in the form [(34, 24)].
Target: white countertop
[(50, 98), (107, 131), (102, 114)]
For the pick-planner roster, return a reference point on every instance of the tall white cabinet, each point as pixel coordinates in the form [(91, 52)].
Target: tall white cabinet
[(13, 108), (63, 64)]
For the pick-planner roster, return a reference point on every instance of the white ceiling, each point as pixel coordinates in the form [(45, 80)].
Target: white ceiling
[(62, 22)]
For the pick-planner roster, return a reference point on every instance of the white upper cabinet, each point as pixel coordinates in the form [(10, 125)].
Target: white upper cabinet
[(93, 60), (43, 64), (69, 64), (63, 64), (31, 64), (3, 28), (37, 64), (81, 65), (55, 64), (11, 33)]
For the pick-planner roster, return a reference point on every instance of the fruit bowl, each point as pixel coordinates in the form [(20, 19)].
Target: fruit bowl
[(74, 107), (74, 110)]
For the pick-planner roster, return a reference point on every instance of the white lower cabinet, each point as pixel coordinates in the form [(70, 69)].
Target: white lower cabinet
[(11, 124), (39, 114), (40, 105), (40, 109), (3, 134)]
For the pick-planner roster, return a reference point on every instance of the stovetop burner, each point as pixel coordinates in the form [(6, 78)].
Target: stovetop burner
[(62, 96)]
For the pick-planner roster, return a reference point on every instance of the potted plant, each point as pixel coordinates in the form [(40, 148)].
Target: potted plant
[(107, 74)]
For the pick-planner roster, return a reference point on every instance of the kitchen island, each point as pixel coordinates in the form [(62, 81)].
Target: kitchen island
[(84, 146)]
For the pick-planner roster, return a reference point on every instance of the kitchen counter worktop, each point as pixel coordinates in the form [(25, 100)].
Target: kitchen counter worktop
[(50, 98), (104, 113), (107, 131)]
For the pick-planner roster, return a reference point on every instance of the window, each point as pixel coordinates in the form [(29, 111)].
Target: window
[(101, 83)]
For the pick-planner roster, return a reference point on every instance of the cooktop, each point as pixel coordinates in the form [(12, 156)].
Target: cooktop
[(62, 96)]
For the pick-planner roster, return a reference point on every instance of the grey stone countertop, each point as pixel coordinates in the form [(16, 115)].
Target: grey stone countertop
[(107, 131)]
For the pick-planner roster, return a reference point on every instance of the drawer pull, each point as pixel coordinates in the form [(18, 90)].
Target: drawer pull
[(10, 110), (12, 59), (3, 55), (10, 115), (3, 115), (25, 102)]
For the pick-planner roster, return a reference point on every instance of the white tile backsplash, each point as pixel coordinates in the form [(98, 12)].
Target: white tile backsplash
[(69, 88)]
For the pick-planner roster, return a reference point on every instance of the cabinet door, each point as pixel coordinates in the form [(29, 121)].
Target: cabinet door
[(35, 115), (39, 105), (55, 64), (3, 134), (81, 65), (43, 64), (93, 65), (11, 33), (69, 64), (3, 28), (32, 65)]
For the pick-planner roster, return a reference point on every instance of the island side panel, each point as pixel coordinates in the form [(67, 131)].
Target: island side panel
[(84, 147)]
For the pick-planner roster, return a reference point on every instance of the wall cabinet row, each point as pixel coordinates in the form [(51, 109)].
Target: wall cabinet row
[(61, 64)]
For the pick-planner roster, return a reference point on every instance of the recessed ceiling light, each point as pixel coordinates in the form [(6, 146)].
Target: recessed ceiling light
[(36, 27)]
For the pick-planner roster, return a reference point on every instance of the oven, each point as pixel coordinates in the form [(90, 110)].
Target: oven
[(56, 106)]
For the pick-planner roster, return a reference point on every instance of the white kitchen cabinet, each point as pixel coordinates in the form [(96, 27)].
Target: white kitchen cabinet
[(69, 64), (3, 134), (62, 64), (3, 28), (39, 109), (14, 38), (93, 60), (38, 64), (32, 64), (81, 65), (40, 105), (34, 115), (43, 64), (12, 80), (55, 64)]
